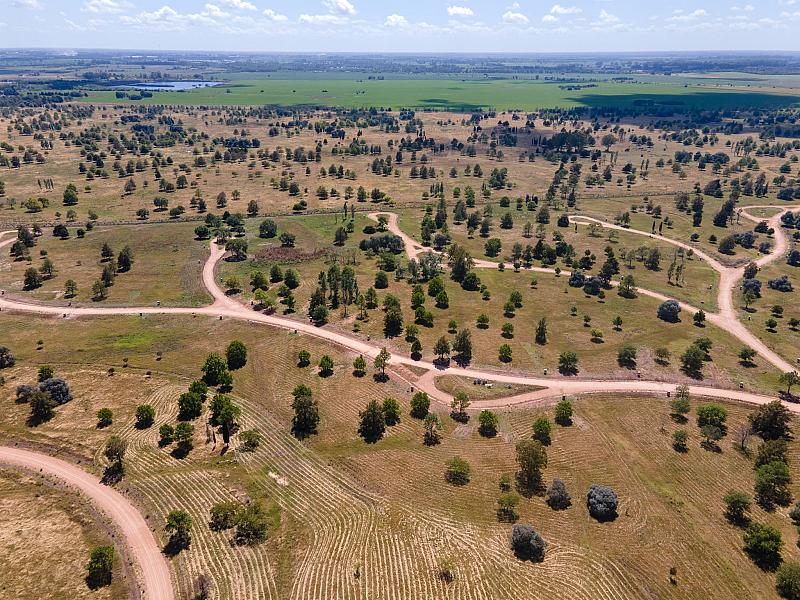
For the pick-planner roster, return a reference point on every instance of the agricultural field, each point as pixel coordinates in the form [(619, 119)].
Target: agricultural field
[(351, 337)]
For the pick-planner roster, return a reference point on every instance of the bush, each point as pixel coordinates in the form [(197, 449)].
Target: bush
[(669, 310), (145, 415), (542, 430), (6, 358), (679, 439), (527, 544), (780, 284), (601, 501), (57, 388), (236, 355), (787, 581), (507, 508), (420, 405), (763, 544), (458, 471), (737, 507), (488, 423), (558, 497), (564, 413), (100, 567)]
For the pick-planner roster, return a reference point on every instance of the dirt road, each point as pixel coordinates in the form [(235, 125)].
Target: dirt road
[(152, 567)]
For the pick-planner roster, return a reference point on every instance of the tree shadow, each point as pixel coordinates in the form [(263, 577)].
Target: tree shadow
[(113, 474), (174, 546), (529, 488), (380, 377)]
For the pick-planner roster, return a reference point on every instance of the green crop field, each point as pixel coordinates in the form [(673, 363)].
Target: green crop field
[(449, 94)]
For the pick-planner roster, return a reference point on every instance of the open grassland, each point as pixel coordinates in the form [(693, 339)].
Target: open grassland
[(448, 94), (166, 268), (46, 534), (257, 176), (374, 521)]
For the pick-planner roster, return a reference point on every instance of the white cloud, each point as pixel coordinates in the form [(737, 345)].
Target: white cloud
[(745, 8), (396, 20), (549, 19), (342, 7), (167, 18), (564, 10), (105, 6), (239, 4), (459, 11), (606, 18), (680, 15), (274, 16), (29, 4), (214, 11), (514, 17), (322, 19)]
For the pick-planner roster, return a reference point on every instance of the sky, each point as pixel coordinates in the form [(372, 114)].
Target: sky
[(402, 26)]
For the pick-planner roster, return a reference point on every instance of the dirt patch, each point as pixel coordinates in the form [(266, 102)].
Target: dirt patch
[(284, 254)]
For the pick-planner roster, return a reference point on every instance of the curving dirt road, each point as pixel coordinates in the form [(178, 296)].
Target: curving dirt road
[(153, 569), (224, 306)]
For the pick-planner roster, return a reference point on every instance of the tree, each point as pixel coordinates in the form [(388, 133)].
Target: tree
[(105, 417), (359, 366), (325, 366), (179, 526), (381, 280), (737, 507), (57, 389), (626, 356), (541, 332), (145, 415), (7, 359), (488, 422), (393, 321), (224, 515), (115, 449), (601, 501), (99, 291), (213, 369), (568, 363), (527, 544), (608, 140), (679, 440), (442, 348), (166, 433), (42, 406), (372, 423), (563, 413), (746, 355), (303, 358), (542, 430), (504, 353), (787, 581), (184, 432), (699, 318), (381, 360), (432, 426), (391, 411), (558, 497), (669, 310), (531, 459), (772, 484), (267, 229), (763, 544), (70, 288), (507, 508), (32, 279), (462, 346), (190, 406), (125, 260), (692, 360), (457, 471), (789, 379), (100, 567), (712, 414), (459, 406), (771, 421), (224, 413), (420, 405), (236, 355), (680, 405), (306, 412), (252, 524)]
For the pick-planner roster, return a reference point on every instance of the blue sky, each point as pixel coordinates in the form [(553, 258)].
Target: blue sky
[(410, 25)]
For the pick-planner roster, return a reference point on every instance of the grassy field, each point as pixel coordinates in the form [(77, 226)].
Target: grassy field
[(46, 534), (457, 95), (351, 512), (166, 268)]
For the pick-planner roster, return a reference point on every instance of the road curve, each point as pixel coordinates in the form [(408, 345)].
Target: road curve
[(226, 307), (153, 569)]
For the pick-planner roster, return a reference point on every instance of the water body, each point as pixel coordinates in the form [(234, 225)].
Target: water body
[(169, 86)]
